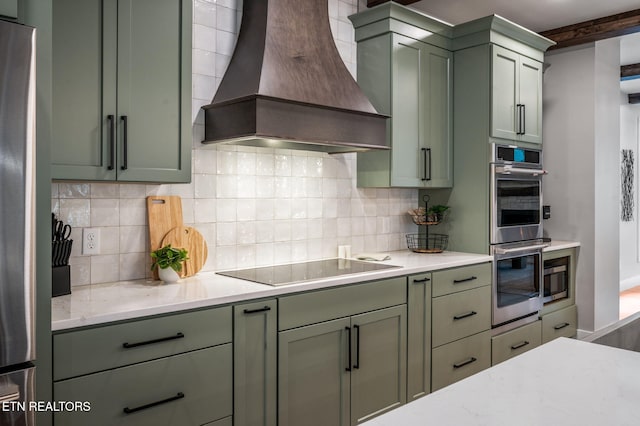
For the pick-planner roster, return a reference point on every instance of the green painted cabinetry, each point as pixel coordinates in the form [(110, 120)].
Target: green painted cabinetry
[(346, 370), (516, 96), (406, 69), (169, 370), (418, 335), (9, 8), (122, 90), (255, 364)]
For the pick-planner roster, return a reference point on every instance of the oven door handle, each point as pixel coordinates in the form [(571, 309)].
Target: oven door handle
[(508, 170), (498, 250)]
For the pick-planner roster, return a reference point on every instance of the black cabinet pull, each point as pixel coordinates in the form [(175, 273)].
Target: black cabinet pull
[(427, 164), (112, 141), (357, 329), (524, 119), (519, 345), (128, 410), (561, 326), (463, 363), (348, 368), (464, 280), (467, 315), (150, 342), (125, 142), (255, 311), (423, 280)]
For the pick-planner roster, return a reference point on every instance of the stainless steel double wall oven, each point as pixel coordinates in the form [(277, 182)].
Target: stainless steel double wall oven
[(516, 234)]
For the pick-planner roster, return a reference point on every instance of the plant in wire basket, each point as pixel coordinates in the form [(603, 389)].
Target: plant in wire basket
[(168, 257)]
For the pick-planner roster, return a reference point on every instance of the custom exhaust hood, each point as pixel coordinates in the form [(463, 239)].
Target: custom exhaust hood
[(287, 87)]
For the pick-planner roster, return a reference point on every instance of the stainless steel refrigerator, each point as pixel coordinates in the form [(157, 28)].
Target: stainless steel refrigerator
[(17, 273)]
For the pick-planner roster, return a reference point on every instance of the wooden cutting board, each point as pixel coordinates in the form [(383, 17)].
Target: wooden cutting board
[(164, 214), (191, 240)]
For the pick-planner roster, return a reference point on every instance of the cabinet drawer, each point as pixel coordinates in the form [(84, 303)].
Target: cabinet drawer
[(562, 323), (460, 359), (324, 305), (190, 389), (92, 350), (460, 315), (460, 279), (514, 342)]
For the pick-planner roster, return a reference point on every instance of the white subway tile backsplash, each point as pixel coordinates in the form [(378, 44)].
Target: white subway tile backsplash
[(254, 206)]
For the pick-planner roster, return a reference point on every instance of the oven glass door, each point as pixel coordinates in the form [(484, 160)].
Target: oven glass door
[(517, 287), (517, 202)]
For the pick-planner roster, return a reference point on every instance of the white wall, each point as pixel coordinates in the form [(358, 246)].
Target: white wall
[(581, 151), (255, 206), (629, 238)]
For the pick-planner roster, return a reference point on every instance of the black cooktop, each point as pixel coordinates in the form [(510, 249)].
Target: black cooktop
[(306, 271)]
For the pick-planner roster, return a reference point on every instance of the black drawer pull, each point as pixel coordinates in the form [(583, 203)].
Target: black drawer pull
[(128, 410), (150, 342), (357, 364), (255, 311), (519, 345), (463, 363), (423, 280), (465, 280), (561, 326), (467, 315)]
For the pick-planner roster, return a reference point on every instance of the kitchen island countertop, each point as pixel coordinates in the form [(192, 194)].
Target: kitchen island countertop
[(102, 303), (564, 382)]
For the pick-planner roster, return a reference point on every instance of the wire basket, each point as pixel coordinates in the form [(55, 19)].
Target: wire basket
[(432, 243)]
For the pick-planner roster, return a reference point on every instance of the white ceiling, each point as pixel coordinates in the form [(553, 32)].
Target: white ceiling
[(542, 15)]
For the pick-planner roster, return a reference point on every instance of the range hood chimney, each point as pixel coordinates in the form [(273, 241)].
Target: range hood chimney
[(287, 87)]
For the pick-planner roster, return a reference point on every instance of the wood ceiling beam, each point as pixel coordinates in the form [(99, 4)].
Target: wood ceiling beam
[(628, 72), (595, 29), (371, 3)]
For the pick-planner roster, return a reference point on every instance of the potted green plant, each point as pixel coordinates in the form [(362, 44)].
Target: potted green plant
[(168, 260), (435, 213)]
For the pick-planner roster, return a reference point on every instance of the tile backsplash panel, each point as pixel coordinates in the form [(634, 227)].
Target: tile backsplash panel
[(254, 206)]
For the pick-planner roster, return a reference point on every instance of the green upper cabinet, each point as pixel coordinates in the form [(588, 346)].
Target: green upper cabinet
[(405, 68), (516, 97), (9, 8), (122, 90)]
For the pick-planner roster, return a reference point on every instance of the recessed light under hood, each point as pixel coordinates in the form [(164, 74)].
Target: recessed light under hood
[(287, 87)]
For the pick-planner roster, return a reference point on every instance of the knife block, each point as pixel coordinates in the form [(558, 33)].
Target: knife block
[(60, 280)]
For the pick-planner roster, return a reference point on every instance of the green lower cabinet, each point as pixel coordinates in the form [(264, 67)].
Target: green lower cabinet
[(344, 371), (515, 342), (255, 363), (193, 388), (561, 323), (227, 421), (418, 336), (462, 358)]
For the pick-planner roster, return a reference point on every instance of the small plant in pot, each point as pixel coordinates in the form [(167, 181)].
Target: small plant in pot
[(436, 213), (168, 260)]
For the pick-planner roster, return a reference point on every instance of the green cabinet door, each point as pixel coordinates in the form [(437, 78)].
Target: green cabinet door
[(516, 96), (531, 97), (412, 82), (9, 8), (122, 90), (418, 336), (378, 365), (255, 363), (313, 377)]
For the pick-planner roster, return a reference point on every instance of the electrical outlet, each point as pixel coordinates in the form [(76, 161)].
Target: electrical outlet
[(91, 241)]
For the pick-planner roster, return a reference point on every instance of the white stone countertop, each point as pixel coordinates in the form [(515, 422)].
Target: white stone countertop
[(564, 382), (102, 303)]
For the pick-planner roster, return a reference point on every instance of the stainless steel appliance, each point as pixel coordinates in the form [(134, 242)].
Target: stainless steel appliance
[(516, 194), (516, 235), (293, 273), (17, 133), (556, 279)]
